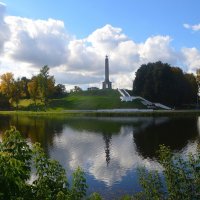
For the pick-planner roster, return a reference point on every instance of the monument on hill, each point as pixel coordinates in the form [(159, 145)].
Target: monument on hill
[(107, 84)]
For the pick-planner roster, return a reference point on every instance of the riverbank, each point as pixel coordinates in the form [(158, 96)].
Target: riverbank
[(108, 112)]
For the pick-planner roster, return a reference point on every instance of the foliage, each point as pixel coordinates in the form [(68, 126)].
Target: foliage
[(181, 177), (7, 81), (4, 102), (50, 182), (59, 91), (15, 157), (11, 88), (46, 84), (159, 82), (41, 86), (16, 92), (33, 86), (95, 196), (76, 89), (24, 84)]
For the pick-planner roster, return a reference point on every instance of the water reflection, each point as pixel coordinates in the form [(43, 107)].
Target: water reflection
[(108, 149), (174, 133)]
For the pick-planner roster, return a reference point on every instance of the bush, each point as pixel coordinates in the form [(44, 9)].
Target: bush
[(181, 177), (51, 182)]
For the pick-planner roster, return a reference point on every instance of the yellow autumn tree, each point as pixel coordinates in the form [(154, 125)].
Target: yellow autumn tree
[(6, 84)]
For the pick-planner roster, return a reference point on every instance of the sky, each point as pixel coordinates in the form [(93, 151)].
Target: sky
[(72, 37)]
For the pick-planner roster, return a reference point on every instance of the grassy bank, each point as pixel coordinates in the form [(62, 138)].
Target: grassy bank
[(84, 100), (99, 113), (91, 103)]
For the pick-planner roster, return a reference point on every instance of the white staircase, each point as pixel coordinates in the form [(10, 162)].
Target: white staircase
[(125, 96)]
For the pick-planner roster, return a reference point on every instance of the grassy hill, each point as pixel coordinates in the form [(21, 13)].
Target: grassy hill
[(87, 100)]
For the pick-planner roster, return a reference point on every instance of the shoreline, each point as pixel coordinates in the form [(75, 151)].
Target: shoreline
[(108, 112)]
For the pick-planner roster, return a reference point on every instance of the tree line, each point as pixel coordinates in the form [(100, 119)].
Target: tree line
[(156, 82), (40, 87), (160, 82)]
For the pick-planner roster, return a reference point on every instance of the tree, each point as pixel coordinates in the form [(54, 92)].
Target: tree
[(191, 88), (180, 178), (46, 84), (4, 102), (159, 82), (16, 159), (16, 92), (24, 84), (59, 90), (7, 82), (76, 89), (33, 90), (11, 88)]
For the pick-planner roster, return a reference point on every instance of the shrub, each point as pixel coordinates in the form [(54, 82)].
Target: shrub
[(181, 177), (16, 158)]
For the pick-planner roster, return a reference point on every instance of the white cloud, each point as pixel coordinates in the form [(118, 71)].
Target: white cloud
[(4, 29), (192, 58), (158, 48), (106, 38), (31, 44), (195, 27), (37, 42)]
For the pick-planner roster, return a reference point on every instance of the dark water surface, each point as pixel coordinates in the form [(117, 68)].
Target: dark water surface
[(108, 149)]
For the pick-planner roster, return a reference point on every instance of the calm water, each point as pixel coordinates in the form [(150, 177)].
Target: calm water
[(108, 149)]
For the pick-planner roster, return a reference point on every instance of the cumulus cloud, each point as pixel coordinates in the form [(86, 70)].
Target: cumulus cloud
[(38, 42), (4, 29), (30, 44), (158, 48), (106, 38), (195, 27), (192, 58)]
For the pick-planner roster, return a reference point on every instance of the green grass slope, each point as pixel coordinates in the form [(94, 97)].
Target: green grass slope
[(92, 100)]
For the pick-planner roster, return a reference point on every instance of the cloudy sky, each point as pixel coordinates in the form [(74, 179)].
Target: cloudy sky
[(72, 37)]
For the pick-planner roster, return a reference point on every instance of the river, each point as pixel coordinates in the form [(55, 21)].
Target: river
[(109, 150)]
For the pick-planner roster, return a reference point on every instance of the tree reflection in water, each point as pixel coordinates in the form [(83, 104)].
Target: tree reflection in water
[(108, 149)]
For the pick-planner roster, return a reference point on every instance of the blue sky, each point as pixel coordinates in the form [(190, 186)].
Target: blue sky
[(134, 30), (139, 19)]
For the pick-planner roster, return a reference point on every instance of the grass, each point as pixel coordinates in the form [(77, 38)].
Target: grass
[(84, 100), (92, 100)]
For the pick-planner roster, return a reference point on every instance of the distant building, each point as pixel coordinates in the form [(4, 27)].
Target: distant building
[(93, 88), (107, 84)]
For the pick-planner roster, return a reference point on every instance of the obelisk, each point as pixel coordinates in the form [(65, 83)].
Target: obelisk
[(107, 84)]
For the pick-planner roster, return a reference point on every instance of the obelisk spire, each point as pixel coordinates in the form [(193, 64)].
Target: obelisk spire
[(106, 69), (107, 84)]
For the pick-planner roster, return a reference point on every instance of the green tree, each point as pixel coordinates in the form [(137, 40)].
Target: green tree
[(180, 178), (24, 84), (16, 159), (76, 89), (16, 92), (46, 84), (59, 90), (4, 102), (159, 82), (33, 88)]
